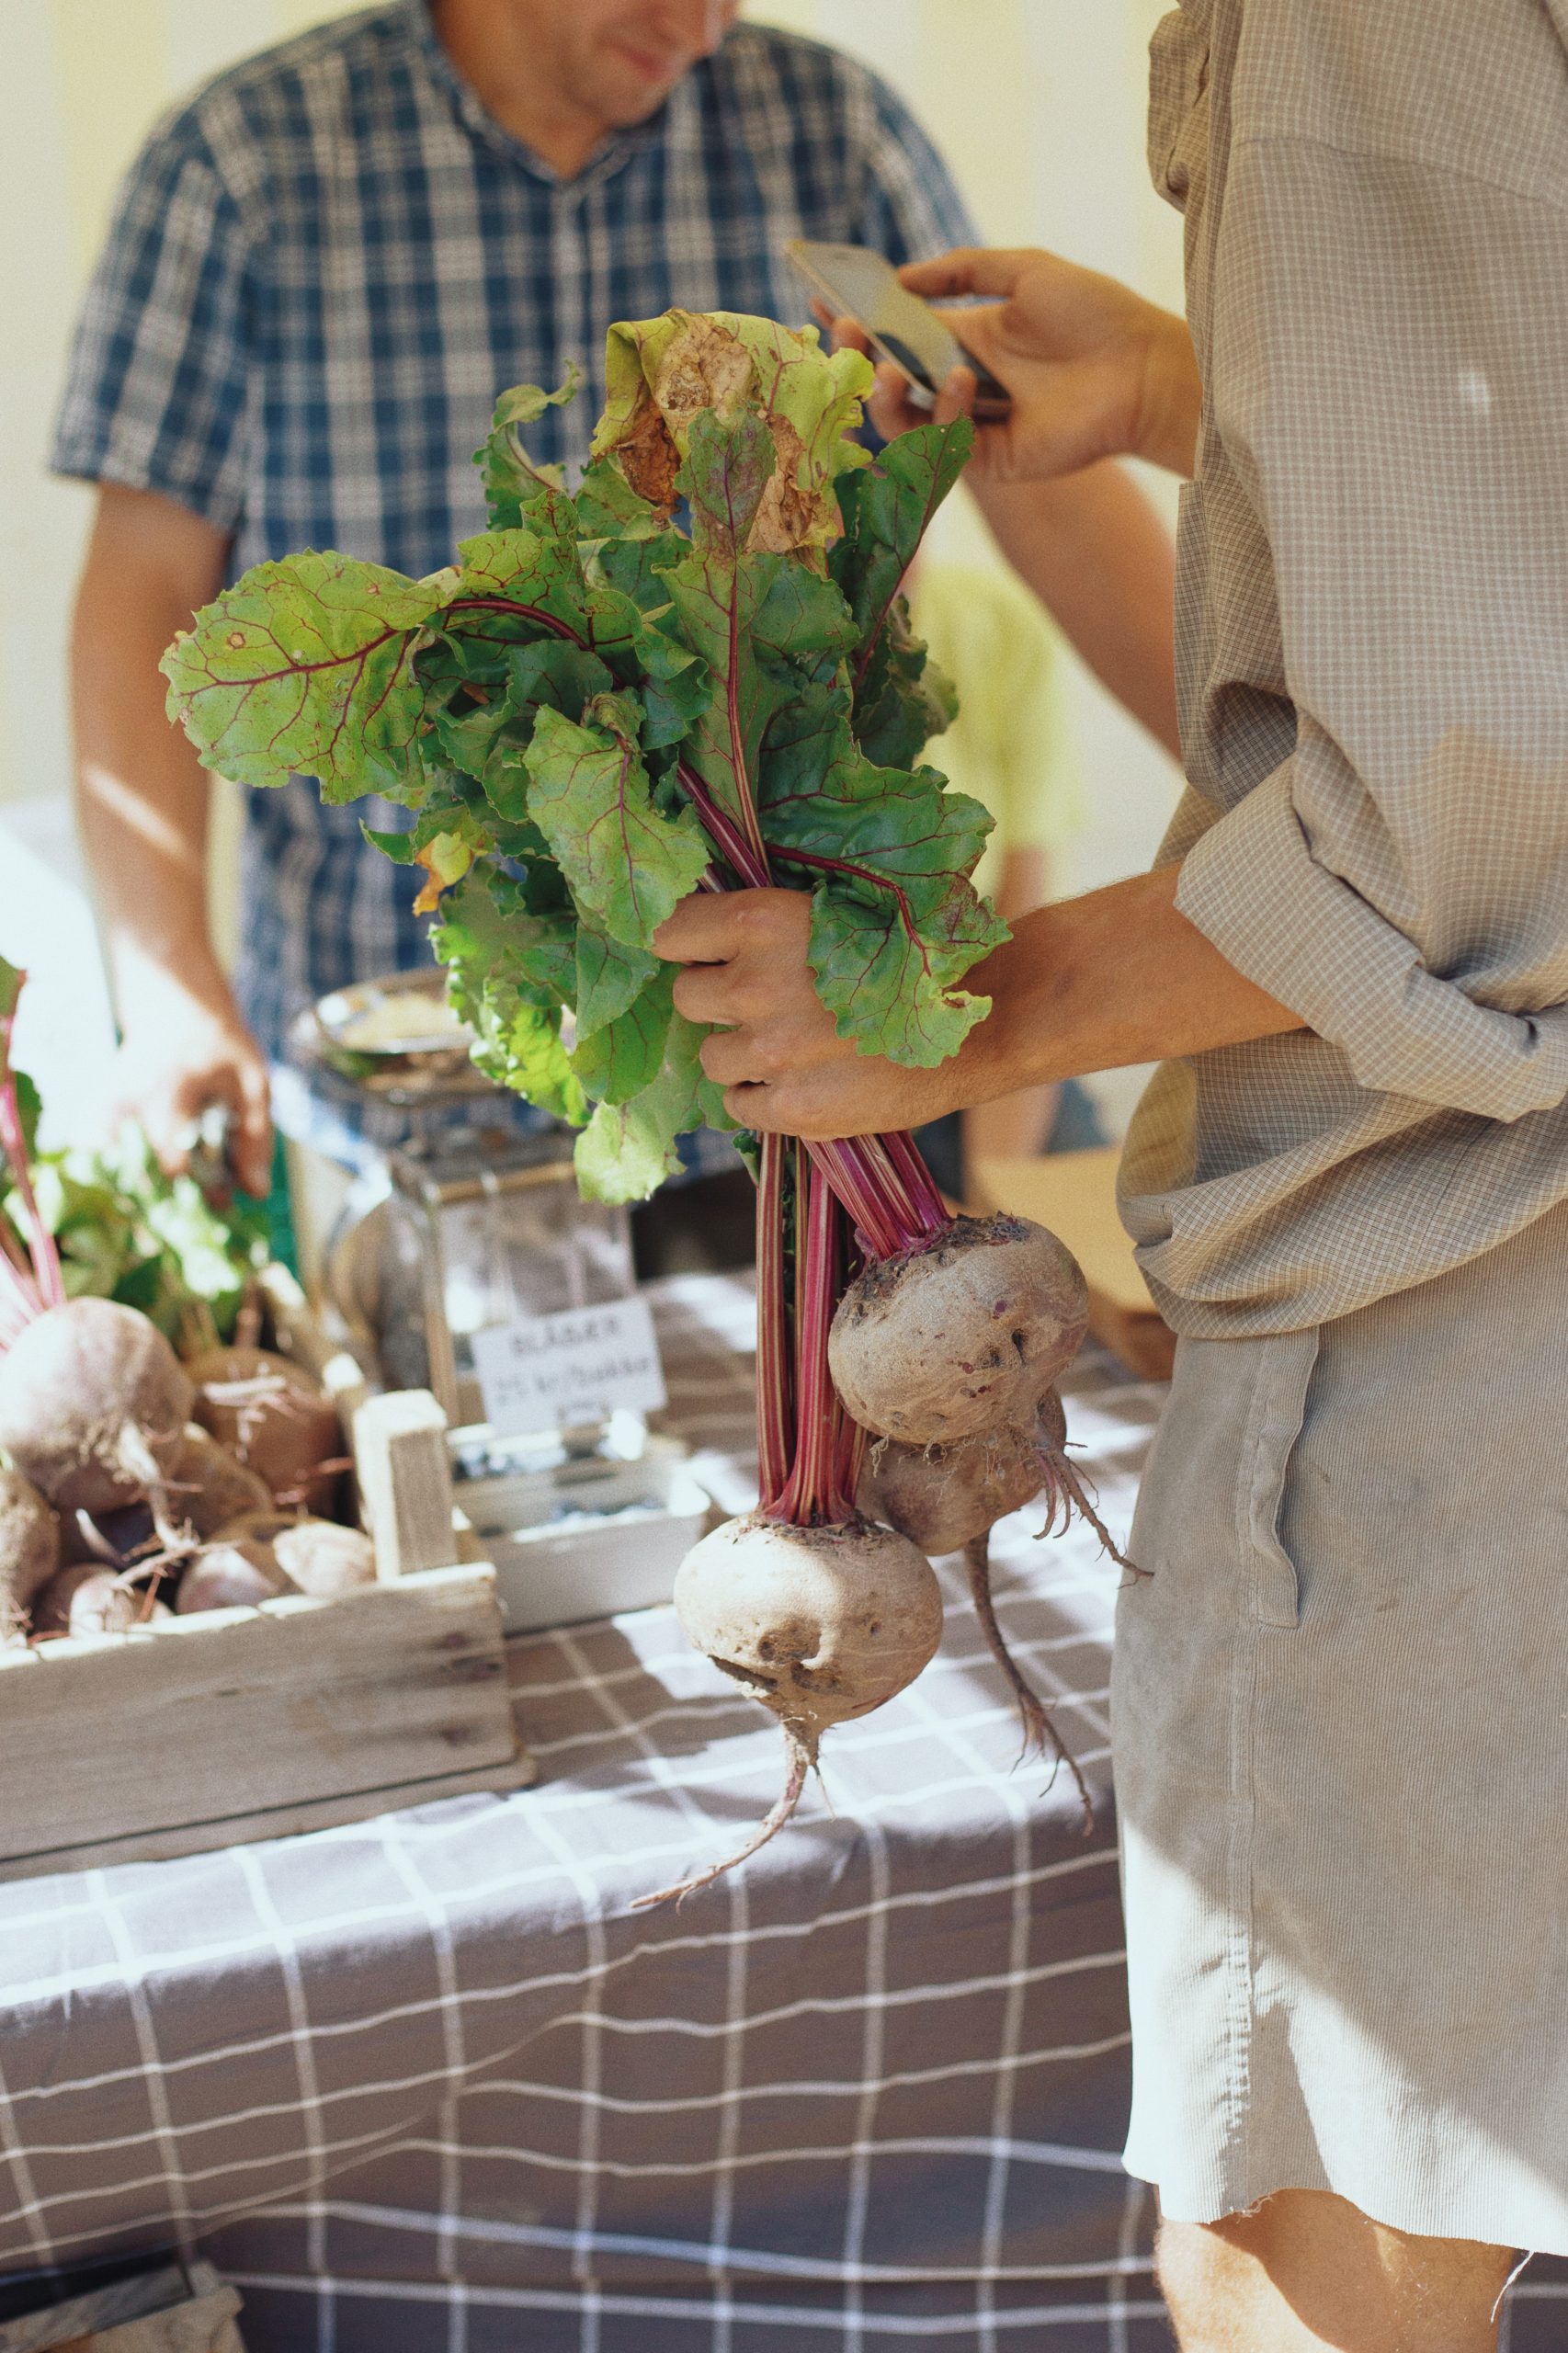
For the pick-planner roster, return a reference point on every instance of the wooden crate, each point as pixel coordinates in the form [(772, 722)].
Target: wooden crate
[(238, 1725)]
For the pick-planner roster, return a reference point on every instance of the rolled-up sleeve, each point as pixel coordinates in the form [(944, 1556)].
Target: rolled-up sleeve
[(1389, 384), (156, 392)]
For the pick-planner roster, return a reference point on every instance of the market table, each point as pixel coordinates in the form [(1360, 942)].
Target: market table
[(428, 2085)]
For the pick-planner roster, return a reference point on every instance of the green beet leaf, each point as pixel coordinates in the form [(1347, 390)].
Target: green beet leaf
[(513, 484), (627, 865), (609, 977), (305, 667), (621, 1057), (628, 1149), (887, 511), (889, 974)]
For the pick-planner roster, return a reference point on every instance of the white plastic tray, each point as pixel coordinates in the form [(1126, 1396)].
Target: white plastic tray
[(587, 1537)]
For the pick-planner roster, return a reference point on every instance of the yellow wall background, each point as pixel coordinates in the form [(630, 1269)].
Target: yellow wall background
[(1037, 105)]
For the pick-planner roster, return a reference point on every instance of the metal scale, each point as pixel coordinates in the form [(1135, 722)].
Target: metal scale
[(472, 1224)]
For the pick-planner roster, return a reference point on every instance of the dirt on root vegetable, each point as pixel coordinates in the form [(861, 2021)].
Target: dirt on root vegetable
[(960, 1333)]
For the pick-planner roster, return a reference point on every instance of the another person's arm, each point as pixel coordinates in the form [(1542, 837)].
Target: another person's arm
[(1095, 550), (1098, 555), (143, 805)]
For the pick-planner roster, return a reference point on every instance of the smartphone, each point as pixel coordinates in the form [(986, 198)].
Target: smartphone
[(864, 286)]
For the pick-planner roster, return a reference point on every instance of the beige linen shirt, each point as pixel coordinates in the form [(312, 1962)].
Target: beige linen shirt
[(1372, 633)]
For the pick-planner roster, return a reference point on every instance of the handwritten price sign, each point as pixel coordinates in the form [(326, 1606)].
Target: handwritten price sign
[(548, 1372)]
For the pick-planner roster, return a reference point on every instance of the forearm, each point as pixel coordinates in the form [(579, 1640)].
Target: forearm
[(1097, 554), (1116, 978), (142, 801), (1092, 984), (1015, 1125)]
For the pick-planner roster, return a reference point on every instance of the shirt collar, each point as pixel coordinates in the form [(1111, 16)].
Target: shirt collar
[(607, 159)]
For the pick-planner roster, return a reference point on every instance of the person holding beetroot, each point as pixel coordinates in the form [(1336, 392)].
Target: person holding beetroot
[(1342, 1754)]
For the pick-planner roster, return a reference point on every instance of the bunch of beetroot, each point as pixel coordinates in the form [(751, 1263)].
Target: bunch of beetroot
[(589, 714), (131, 1485)]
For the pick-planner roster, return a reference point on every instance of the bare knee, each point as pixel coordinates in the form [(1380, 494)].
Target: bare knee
[(1306, 2270)]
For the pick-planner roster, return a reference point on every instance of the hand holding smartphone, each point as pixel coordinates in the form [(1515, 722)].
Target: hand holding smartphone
[(901, 328)]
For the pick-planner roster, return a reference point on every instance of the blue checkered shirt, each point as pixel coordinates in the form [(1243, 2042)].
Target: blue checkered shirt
[(321, 270)]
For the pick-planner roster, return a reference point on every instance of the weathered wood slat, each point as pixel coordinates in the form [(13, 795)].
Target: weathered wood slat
[(406, 1482), (237, 1712)]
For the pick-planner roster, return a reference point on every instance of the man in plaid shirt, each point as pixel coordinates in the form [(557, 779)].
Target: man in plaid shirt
[(321, 270)]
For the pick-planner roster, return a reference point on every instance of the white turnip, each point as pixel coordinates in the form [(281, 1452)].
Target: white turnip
[(92, 1405), (113, 1538), (30, 1550), (961, 1333), (239, 1573), (820, 1624), (319, 1556)]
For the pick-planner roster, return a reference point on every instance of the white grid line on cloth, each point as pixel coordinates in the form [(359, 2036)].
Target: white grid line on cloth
[(893, 1736), (721, 2207), (1017, 1977), (316, 2146), (684, 1661), (223, 2053), (857, 2205), (591, 2020), (938, 2144), (162, 2126), (802, 2087), (489, 2231), (761, 2262), (509, 2087), (21, 2173), (690, 2308), (449, 1996)]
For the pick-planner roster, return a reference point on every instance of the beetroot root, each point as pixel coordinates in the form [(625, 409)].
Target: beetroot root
[(1040, 1736), (271, 1418), (30, 1550), (941, 1497), (93, 1404), (820, 1624), (962, 1333), (208, 1486)]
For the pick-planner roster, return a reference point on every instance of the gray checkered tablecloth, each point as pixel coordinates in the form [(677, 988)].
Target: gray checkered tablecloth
[(427, 2084)]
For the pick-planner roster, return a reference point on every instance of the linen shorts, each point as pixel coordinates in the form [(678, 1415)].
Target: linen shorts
[(1340, 1710)]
